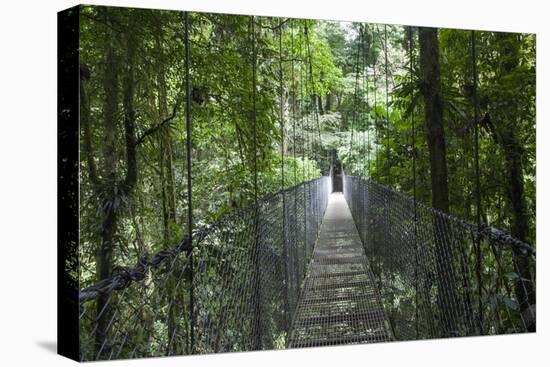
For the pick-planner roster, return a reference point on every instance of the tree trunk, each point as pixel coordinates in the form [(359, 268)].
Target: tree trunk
[(435, 136), (173, 294), (504, 133), (85, 124), (433, 112), (105, 250), (328, 102), (520, 223), (113, 188), (166, 153), (504, 136), (320, 104), (130, 115)]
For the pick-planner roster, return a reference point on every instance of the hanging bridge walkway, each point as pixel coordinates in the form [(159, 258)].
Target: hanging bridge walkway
[(340, 302), (309, 267)]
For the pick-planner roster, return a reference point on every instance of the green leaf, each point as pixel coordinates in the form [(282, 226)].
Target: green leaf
[(510, 303), (512, 275)]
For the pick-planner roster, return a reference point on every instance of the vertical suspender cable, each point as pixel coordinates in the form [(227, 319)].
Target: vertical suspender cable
[(354, 119), (257, 289), (295, 164), (364, 122), (304, 135), (189, 181), (388, 178), (376, 128), (363, 99), (367, 96), (309, 133), (293, 99), (281, 119), (308, 100), (315, 109), (254, 122), (309, 139), (478, 188), (309, 108), (313, 98), (365, 102), (388, 205), (282, 125), (304, 144), (305, 104), (413, 152)]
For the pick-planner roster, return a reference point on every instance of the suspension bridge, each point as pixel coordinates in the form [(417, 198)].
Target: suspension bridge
[(339, 259), (309, 267)]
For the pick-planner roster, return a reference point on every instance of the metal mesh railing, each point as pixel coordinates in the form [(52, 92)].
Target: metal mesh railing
[(238, 295), (240, 285), (433, 278)]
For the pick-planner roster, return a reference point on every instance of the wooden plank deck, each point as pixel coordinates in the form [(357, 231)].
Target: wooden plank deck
[(339, 303)]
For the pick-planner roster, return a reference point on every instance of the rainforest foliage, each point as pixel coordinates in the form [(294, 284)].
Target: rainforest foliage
[(326, 92)]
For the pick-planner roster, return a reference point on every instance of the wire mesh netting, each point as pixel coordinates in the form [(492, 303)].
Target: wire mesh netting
[(234, 291), (393, 269), (438, 275)]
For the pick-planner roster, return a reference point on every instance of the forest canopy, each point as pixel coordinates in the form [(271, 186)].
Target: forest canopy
[(326, 92)]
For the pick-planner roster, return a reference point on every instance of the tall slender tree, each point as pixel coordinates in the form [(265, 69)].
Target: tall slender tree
[(503, 125), (435, 136)]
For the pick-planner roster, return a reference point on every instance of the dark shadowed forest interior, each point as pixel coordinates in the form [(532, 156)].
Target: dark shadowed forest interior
[(444, 116)]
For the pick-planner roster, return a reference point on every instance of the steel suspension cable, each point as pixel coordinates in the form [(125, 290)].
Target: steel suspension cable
[(293, 86), (281, 97), (304, 141), (254, 119), (367, 97), (388, 205), (363, 104), (354, 118), (257, 286), (310, 96), (388, 178), (315, 108), (189, 180), (477, 179), (376, 127), (310, 93), (284, 218), (312, 99), (304, 134), (413, 153)]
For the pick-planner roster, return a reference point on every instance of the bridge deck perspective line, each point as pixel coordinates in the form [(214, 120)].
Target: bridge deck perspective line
[(339, 303)]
